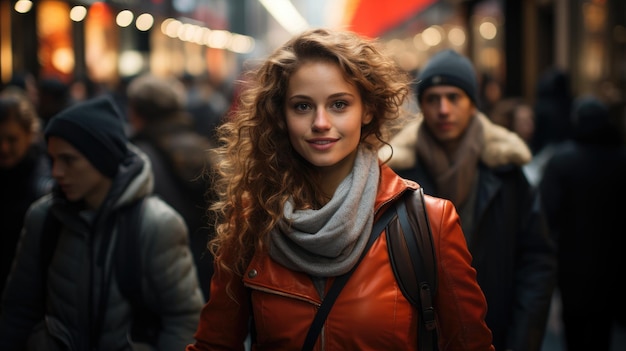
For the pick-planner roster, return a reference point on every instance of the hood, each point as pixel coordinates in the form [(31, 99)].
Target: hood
[(501, 146), (135, 178)]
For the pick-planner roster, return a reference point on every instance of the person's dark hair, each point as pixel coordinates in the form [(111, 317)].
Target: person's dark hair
[(15, 105), (155, 98), (552, 109), (591, 121), (54, 88)]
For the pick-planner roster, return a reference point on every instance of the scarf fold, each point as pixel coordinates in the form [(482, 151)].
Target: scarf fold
[(329, 241), (453, 175)]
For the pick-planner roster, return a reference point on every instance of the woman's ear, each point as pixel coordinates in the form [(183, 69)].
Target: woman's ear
[(367, 118)]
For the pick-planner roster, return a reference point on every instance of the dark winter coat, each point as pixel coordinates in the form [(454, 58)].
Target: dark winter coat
[(583, 190), (20, 186), (76, 280), (181, 164), (512, 251)]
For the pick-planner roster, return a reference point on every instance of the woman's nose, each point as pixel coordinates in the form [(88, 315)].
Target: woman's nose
[(321, 121)]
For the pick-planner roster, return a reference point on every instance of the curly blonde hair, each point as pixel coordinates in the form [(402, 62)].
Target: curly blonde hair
[(258, 169)]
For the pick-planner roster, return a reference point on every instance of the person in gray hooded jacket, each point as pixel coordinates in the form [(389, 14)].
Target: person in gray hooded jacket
[(455, 152), (77, 304)]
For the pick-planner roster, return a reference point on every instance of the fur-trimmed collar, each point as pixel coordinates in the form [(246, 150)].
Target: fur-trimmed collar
[(501, 146)]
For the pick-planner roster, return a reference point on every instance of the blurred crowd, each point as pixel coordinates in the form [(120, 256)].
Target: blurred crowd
[(171, 119), (578, 167)]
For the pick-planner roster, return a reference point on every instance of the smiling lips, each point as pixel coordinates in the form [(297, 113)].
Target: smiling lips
[(322, 144)]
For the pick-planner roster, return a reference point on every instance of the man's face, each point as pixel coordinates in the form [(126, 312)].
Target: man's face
[(447, 112), (77, 177)]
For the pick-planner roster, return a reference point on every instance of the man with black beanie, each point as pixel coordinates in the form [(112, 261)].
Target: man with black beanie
[(73, 295), (455, 152), (96, 130)]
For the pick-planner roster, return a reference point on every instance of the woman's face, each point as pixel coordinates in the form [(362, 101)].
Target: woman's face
[(14, 143), (324, 117)]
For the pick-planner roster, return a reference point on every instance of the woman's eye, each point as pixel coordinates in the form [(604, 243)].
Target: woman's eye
[(302, 107), (339, 105)]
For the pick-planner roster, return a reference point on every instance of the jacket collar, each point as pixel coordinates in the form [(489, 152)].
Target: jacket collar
[(501, 146), (391, 186)]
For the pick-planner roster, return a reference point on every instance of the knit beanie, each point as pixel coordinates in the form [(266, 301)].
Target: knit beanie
[(448, 67), (590, 117), (94, 128)]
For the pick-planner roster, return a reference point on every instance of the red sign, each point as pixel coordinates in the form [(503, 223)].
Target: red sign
[(373, 17)]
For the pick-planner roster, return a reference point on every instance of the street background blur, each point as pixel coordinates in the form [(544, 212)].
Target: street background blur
[(90, 47), (511, 42)]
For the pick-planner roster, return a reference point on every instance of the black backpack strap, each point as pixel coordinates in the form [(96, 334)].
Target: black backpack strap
[(413, 259), (129, 273), (340, 281), (128, 260), (50, 233)]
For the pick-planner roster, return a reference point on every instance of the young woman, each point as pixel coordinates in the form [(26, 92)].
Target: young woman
[(300, 187)]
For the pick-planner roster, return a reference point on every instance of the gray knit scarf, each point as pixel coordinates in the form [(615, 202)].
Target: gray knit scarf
[(328, 242)]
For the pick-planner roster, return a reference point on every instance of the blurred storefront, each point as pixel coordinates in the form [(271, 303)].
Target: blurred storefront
[(106, 41), (514, 41), (510, 40)]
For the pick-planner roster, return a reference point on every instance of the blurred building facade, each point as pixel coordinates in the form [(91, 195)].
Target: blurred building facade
[(515, 41), (512, 40)]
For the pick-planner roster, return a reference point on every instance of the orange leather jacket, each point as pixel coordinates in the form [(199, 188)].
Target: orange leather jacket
[(370, 313)]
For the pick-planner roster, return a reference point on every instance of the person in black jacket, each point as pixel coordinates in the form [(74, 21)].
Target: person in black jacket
[(583, 188), (24, 170), (180, 158), (455, 152)]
